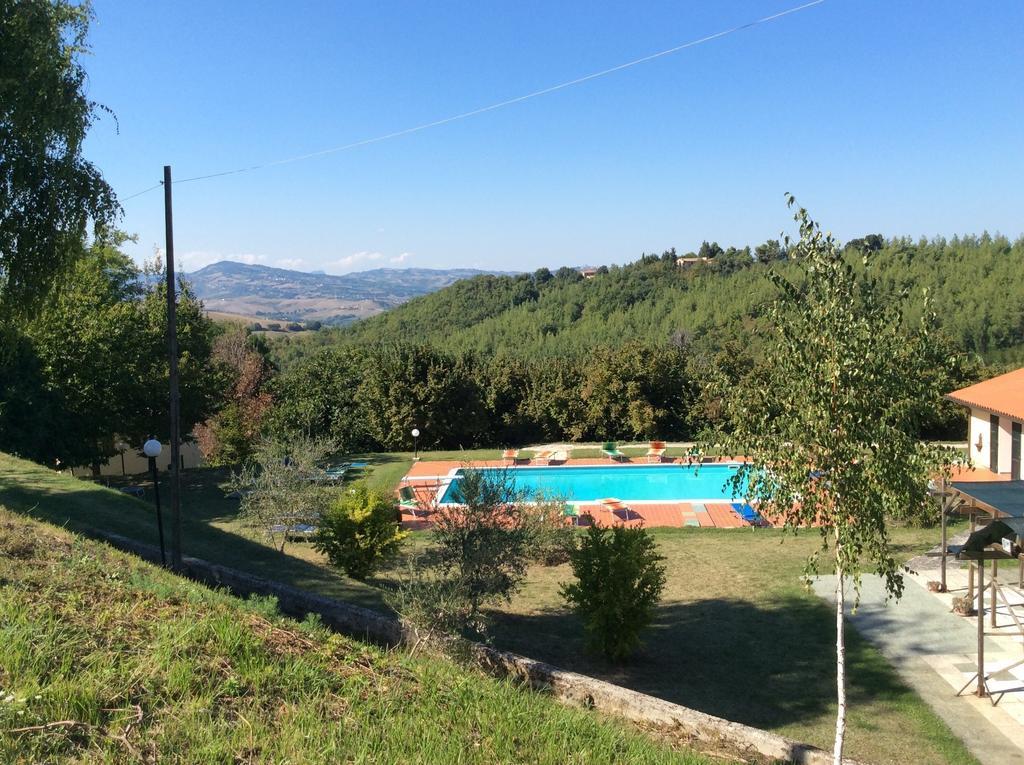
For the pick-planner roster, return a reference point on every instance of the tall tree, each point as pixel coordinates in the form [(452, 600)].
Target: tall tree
[(829, 428), (48, 191), (202, 381), (405, 386), (230, 436), (87, 339), (88, 365), (318, 398), (636, 391)]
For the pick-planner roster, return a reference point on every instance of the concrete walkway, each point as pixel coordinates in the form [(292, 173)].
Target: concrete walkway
[(935, 652)]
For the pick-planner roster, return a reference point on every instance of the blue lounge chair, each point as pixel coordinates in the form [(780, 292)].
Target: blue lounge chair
[(338, 472), (302, 531), (747, 513), (294, 531)]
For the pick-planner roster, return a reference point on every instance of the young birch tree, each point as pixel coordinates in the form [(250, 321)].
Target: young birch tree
[(829, 429)]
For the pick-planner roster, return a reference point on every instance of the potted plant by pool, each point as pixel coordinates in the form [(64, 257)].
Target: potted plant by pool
[(964, 605)]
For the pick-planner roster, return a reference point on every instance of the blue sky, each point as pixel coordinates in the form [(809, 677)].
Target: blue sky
[(898, 117)]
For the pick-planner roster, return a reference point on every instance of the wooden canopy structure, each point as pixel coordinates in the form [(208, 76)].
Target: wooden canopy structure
[(990, 501)]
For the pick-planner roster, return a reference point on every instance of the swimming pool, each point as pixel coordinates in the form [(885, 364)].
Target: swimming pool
[(637, 483)]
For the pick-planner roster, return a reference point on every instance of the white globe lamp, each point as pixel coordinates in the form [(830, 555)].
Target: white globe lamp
[(152, 449)]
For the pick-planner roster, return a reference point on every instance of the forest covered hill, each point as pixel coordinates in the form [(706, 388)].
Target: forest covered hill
[(627, 352), (975, 286)]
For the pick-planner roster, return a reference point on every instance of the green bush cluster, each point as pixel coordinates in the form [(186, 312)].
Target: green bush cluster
[(370, 397), (358, 531)]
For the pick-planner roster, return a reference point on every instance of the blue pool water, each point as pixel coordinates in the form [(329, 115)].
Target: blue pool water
[(625, 482)]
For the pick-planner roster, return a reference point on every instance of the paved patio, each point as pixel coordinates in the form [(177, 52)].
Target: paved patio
[(934, 651)]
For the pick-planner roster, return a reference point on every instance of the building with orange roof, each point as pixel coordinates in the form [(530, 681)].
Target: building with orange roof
[(997, 418)]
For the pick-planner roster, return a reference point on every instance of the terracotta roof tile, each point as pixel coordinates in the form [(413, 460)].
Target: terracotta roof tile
[(1001, 395)]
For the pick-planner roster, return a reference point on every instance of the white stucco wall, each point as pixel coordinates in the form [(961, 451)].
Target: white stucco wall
[(1004, 444), (135, 462), (979, 435)]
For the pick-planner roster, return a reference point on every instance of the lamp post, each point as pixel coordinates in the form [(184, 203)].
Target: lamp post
[(152, 449), (122, 447), (415, 444)]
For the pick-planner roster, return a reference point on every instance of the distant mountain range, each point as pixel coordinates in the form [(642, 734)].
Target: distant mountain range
[(278, 293)]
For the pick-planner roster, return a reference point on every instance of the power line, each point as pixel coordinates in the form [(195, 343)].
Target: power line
[(144, 191), (501, 104)]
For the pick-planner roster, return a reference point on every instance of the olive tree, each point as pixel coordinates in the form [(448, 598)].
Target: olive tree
[(279, 487), (828, 430), (483, 545)]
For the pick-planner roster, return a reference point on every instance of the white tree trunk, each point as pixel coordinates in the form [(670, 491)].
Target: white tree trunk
[(837, 751)]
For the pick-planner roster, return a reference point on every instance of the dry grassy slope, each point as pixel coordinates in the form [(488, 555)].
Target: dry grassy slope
[(255, 308), (283, 294)]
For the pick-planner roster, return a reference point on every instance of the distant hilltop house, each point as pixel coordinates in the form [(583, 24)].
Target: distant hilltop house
[(690, 262), (588, 273), (997, 417)]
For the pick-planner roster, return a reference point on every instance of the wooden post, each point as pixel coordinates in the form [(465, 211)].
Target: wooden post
[(995, 575), (970, 568), (981, 629), (175, 402), (944, 504)]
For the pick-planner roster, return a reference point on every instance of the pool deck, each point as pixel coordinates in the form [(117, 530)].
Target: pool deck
[(426, 479)]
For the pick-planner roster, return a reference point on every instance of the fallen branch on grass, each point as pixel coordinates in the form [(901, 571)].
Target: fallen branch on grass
[(47, 726)]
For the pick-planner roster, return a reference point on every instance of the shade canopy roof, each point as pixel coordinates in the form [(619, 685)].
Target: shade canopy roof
[(1003, 499)]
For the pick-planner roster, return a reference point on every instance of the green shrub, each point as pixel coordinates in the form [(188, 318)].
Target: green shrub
[(619, 580), (358, 531)]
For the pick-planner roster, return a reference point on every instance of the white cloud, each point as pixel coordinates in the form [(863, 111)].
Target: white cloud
[(292, 263), (365, 256), (400, 258)]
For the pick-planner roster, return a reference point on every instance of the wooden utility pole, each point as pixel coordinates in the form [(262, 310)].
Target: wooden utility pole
[(175, 403)]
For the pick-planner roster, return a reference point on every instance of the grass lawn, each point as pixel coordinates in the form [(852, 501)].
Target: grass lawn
[(736, 634), (388, 468), (104, 658), (210, 525)]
